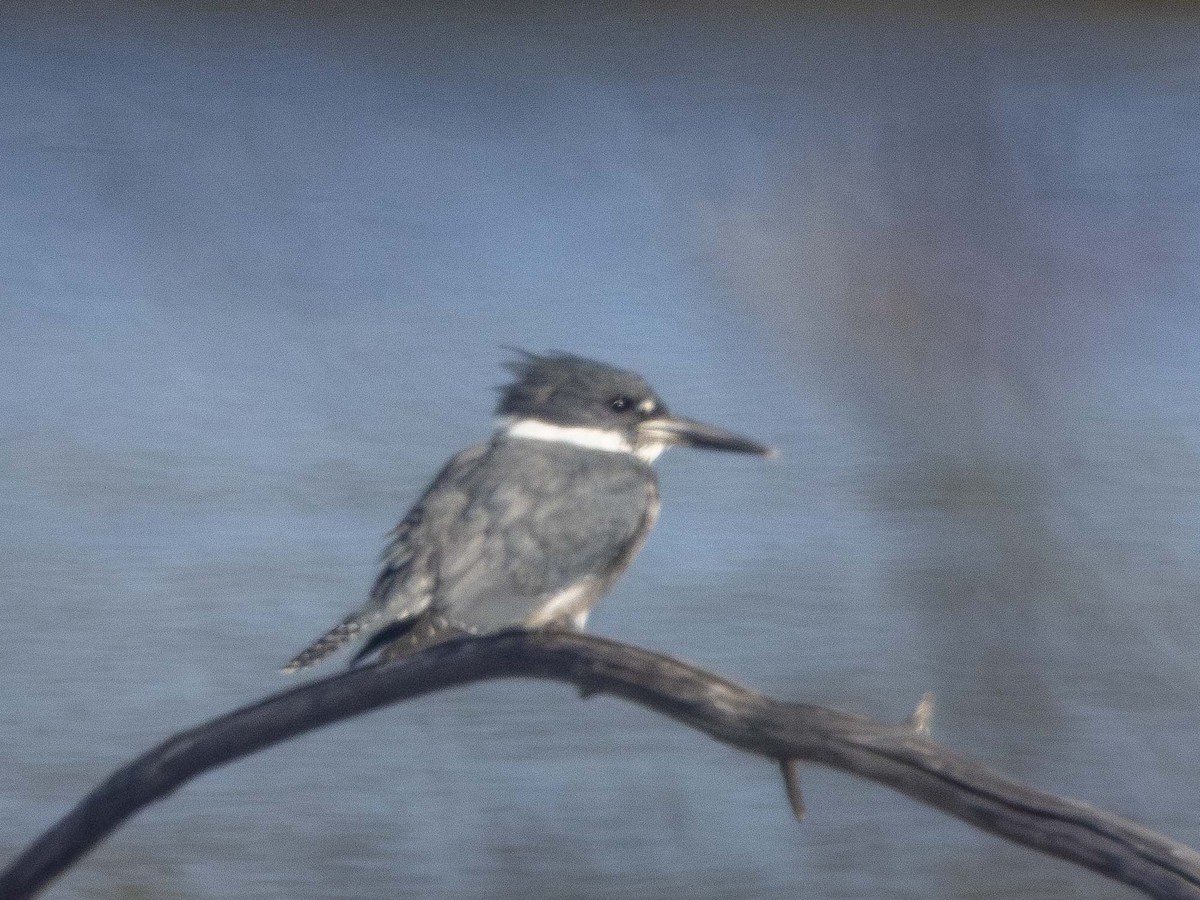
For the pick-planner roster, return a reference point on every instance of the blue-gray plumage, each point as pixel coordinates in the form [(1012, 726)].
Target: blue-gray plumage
[(531, 528)]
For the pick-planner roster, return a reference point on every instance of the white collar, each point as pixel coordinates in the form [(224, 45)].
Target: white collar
[(604, 439)]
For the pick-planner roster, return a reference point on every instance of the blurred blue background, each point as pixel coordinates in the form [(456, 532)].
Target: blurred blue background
[(256, 267)]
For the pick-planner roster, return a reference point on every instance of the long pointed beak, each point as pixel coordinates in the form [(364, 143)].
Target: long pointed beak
[(678, 431)]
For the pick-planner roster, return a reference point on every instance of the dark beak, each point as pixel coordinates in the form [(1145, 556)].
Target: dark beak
[(681, 432)]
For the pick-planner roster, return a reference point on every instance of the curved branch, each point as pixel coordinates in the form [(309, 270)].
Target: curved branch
[(893, 755)]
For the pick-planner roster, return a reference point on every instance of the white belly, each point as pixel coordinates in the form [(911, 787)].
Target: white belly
[(572, 605)]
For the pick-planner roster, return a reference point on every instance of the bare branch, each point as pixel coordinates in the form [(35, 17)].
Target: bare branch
[(893, 755)]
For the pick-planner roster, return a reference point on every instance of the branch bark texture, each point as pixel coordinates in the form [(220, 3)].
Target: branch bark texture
[(897, 756)]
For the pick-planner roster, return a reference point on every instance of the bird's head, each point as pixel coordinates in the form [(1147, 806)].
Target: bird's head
[(560, 397)]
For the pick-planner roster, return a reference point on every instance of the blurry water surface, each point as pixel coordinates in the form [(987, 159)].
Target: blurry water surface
[(256, 269)]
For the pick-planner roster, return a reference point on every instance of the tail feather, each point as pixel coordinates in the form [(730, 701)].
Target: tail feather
[(328, 643)]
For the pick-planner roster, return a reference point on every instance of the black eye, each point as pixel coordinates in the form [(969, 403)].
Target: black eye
[(621, 404)]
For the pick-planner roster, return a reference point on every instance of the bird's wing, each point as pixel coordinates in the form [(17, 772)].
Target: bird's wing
[(545, 532), (407, 577), (404, 587)]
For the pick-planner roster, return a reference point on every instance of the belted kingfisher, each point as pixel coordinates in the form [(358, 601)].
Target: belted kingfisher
[(531, 528)]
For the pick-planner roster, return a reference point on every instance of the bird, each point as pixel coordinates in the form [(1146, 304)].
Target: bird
[(531, 528)]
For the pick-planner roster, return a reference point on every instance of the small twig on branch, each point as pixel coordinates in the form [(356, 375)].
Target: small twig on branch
[(893, 755), (922, 716), (791, 786)]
